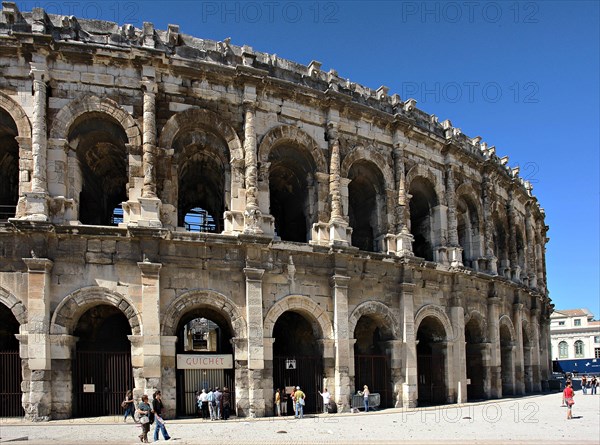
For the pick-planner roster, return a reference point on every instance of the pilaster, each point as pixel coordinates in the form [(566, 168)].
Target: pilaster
[(409, 359), (519, 354), (493, 318), (151, 319), (256, 350), (341, 332)]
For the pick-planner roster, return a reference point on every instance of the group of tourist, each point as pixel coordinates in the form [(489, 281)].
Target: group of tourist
[(589, 384), (214, 404), (146, 414), (297, 397)]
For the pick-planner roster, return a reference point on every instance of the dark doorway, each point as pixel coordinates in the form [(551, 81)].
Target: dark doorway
[(102, 371), (474, 350), (297, 360), (507, 363), (431, 362), (10, 366), (9, 166), (371, 361), (203, 331), (422, 220)]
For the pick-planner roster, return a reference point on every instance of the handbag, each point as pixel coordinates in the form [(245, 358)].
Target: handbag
[(144, 420), (570, 402), (124, 404), (301, 402)]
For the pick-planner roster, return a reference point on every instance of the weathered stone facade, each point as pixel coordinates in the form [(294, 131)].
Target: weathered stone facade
[(329, 199)]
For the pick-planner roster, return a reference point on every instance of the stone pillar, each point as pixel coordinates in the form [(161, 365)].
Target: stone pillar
[(240, 354), (515, 268), (495, 363), (62, 347), (488, 225), (151, 319), (327, 347), (402, 241), (537, 351), (257, 394), (396, 372), (137, 363), (486, 359), (168, 358), (457, 361), (252, 213), (38, 402), (531, 248), (454, 247), (518, 356), (36, 201), (342, 337), (409, 356)]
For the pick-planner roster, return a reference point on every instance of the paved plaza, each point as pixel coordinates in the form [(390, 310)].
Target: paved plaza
[(533, 419)]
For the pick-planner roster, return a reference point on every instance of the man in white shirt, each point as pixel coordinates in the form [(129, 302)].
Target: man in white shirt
[(326, 398)]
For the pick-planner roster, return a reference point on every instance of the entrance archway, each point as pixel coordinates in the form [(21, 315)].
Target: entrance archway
[(10, 366), (205, 357), (431, 362), (297, 359), (474, 339), (9, 166), (507, 360), (372, 358), (102, 371)]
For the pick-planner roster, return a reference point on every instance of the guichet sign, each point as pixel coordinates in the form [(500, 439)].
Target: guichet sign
[(199, 361)]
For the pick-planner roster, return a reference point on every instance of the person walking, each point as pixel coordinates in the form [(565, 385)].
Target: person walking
[(218, 401), (584, 384), (277, 403), (299, 397), (594, 384), (157, 408), (128, 405), (365, 394), (284, 402), (144, 410), (568, 395), (226, 403), (326, 399)]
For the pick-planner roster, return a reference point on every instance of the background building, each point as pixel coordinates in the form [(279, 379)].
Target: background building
[(184, 213), (575, 339)]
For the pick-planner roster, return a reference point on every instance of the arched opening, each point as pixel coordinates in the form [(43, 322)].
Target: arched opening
[(10, 366), (422, 217), (431, 362), (292, 191), (371, 358), (507, 363), (501, 248), (9, 166), (102, 371), (100, 144), (367, 206), (297, 359), (475, 347), (468, 231), (203, 172), (527, 351), (204, 358)]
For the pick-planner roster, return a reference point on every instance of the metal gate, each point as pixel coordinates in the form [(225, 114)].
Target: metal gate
[(308, 375), (101, 379), (189, 381), (475, 374), (10, 384), (431, 380), (373, 371)]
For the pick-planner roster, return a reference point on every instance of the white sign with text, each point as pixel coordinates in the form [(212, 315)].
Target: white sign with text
[(199, 361)]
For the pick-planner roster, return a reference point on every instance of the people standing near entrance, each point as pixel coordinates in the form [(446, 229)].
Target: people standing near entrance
[(211, 403), (584, 384), (568, 395), (218, 401), (157, 408), (128, 405), (277, 403), (144, 411), (226, 403), (284, 402), (365, 394), (204, 403), (326, 399), (299, 398)]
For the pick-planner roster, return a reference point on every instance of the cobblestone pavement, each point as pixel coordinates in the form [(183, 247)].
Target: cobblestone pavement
[(532, 419)]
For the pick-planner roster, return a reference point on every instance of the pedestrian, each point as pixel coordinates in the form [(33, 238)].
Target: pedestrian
[(594, 384), (284, 402), (128, 405), (157, 408), (226, 403), (365, 394), (144, 411), (219, 401), (584, 384), (568, 395), (211, 404), (326, 398), (299, 398), (204, 403), (277, 403)]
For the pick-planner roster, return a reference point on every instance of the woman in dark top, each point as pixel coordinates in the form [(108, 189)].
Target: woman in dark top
[(128, 405), (226, 399), (157, 407), (144, 410)]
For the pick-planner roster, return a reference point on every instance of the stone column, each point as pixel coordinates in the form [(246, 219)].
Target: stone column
[(495, 363), (454, 248), (62, 348), (342, 335), (409, 356), (519, 355), (38, 402), (257, 394), (252, 213), (457, 361), (36, 201), (515, 268), (151, 319), (137, 363), (531, 248), (240, 354), (537, 351), (327, 348), (396, 372), (489, 225), (339, 232), (486, 359), (403, 239), (168, 358)]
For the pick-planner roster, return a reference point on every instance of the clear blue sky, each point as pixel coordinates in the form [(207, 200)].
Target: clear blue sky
[(523, 75)]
